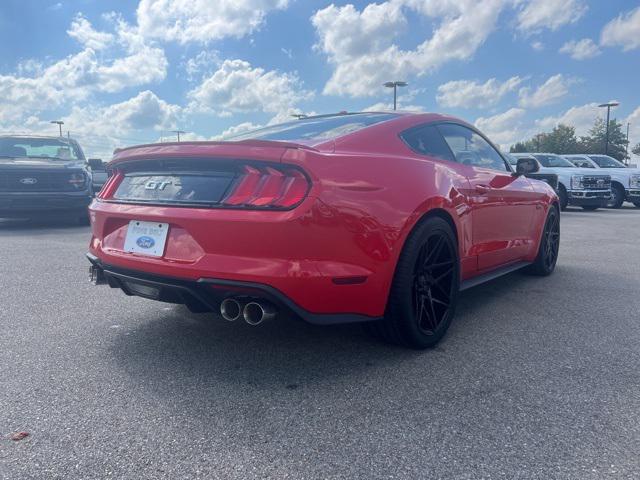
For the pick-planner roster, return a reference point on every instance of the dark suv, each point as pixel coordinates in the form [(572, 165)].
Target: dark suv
[(43, 176)]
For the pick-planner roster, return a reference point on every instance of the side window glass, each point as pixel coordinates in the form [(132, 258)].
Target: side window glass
[(470, 148), (428, 141)]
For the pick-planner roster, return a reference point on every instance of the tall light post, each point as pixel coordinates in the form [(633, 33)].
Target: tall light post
[(395, 86), (178, 132), (626, 150), (608, 105), (59, 123)]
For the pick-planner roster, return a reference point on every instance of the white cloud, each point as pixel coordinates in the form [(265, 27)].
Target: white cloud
[(386, 107), (238, 87), (581, 49), (548, 93), (82, 30), (504, 128), (360, 44), (623, 31), (581, 117), (537, 46), (634, 128), (471, 94), (537, 15), (36, 87), (202, 20), (202, 64)]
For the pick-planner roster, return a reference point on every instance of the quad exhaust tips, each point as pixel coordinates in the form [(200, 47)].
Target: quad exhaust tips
[(254, 312)]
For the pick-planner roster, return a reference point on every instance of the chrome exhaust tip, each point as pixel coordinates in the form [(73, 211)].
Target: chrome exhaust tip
[(255, 313), (230, 309)]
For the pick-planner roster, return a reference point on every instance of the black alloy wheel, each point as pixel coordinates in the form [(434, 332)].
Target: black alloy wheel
[(545, 262), (424, 291), (433, 282)]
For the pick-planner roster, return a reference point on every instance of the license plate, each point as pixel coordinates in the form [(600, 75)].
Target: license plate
[(146, 238)]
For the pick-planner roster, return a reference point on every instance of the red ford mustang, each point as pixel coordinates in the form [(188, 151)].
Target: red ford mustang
[(366, 217)]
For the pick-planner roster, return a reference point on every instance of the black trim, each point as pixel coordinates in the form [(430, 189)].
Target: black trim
[(492, 275), (211, 291)]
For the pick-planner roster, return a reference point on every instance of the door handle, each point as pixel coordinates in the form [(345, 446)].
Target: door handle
[(483, 188)]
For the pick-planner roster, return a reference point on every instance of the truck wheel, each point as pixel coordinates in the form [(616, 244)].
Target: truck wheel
[(590, 208), (424, 291), (617, 197), (564, 198), (545, 262)]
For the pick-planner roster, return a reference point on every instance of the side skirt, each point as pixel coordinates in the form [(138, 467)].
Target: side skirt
[(486, 277)]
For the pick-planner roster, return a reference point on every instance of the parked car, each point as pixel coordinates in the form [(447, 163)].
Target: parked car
[(98, 173), (43, 176), (365, 217), (625, 181), (580, 187)]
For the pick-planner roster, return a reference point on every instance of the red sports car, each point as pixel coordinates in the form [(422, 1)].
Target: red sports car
[(362, 217)]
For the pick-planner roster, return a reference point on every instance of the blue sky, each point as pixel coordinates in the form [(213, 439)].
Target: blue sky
[(124, 72)]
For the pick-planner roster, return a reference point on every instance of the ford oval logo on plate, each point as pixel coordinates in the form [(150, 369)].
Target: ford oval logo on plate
[(145, 242), (29, 181)]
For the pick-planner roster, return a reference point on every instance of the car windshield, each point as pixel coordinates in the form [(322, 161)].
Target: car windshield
[(582, 162), (315, 128), (605, 161), (53, 148), (553, 161)]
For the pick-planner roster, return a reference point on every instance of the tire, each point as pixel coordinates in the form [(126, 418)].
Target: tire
[(545, 262), (424, 290), (564, 198), (617, 197), (590, 208)]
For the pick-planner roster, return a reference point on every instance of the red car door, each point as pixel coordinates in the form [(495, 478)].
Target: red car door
[(503, 205)]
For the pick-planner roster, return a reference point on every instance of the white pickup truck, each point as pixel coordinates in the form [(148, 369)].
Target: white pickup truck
[(625, 182), (576, 186)]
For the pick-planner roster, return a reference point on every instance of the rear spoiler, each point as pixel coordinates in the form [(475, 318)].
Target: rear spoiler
[(248, 143)]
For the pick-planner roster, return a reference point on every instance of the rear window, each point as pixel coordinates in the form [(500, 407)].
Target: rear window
[(315, 129), (553, 161)]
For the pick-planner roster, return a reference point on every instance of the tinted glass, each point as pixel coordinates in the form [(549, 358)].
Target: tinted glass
[(470, 148), (553, 161), (604, 161), (317, 128), (428, 141), (39, 148)]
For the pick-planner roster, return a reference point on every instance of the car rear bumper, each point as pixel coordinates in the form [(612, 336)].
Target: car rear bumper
[(589, 197), (208, 292), (34, 204)]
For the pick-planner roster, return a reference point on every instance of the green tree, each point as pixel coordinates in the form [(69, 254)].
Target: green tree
[(636, 149), (594, 141), (561, 140)]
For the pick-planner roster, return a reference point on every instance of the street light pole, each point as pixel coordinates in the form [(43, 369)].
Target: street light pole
[(59, 123), (626, 150), (395, 86), (178, 132), (608, 105)]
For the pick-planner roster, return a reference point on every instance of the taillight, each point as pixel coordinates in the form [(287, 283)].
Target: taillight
[(109, 187), (266, 187)]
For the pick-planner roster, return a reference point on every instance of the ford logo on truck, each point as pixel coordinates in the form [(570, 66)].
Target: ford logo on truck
[(145, 242), (28, 181)]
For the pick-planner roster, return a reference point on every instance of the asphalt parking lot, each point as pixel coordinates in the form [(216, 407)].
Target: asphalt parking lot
[(537, 378)]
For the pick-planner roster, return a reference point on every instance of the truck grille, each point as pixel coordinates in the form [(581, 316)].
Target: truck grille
[(40, 182), (597, 182)]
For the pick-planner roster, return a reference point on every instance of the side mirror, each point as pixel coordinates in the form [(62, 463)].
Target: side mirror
[(526, 166), (96, 164)]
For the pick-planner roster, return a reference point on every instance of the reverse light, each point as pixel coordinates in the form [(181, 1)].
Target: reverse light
[(266, 187), (577, 182)]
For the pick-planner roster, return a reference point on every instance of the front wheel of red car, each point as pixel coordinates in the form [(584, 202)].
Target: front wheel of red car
[(425, 287), (545, 262)]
